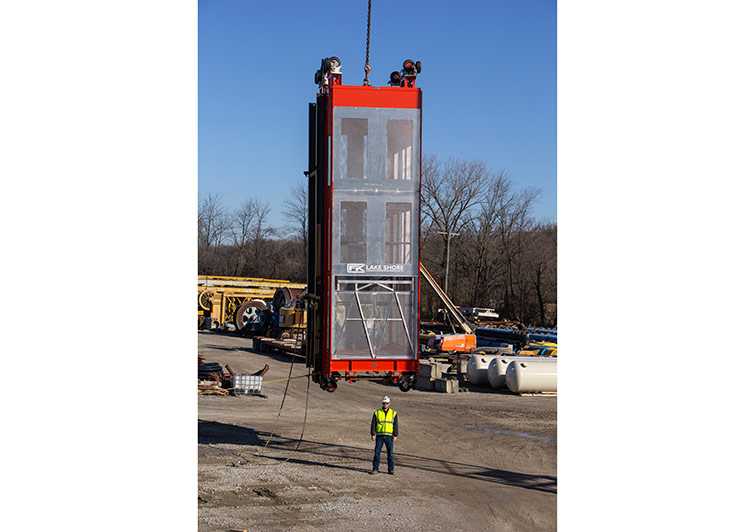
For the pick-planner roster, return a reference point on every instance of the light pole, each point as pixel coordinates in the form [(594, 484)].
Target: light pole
[(448, 255)]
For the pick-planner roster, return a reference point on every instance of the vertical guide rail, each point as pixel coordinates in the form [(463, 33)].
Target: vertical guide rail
[(315, 175), (311, 296)]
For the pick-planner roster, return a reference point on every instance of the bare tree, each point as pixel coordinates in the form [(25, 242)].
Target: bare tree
[(514, 219), (213, 224), (482, 227), (540, 264), (450, 189), (250, 222), (295, 210), (250, 229), (213, 221)]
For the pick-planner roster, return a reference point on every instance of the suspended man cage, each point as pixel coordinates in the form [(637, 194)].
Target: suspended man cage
[(363, 256)]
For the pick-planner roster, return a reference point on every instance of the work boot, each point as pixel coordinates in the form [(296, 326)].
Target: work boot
[(373, 472), (390, 472)]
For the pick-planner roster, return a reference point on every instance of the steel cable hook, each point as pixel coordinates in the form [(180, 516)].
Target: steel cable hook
[(367, 68)]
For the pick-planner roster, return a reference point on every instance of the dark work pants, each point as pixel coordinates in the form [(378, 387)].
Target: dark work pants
[(379, 441)]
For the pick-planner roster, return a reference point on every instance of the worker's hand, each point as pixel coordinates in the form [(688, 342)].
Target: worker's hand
[(373, 437), (394, 438)]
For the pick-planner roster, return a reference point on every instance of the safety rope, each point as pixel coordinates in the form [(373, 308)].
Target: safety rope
[(288, 379), (285, 393), (283, 400), (367, 68), (304, 424)]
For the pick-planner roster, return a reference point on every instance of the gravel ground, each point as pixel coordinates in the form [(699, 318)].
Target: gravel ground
[(482, 459)]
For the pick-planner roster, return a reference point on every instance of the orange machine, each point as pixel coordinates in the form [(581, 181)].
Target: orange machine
[(453, 342)]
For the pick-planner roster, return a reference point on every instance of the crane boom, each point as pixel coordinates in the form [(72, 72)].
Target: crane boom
[(450, 307)]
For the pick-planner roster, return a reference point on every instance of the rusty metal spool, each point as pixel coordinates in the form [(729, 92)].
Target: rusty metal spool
[(250, 313), (205, 297), (283, 296)]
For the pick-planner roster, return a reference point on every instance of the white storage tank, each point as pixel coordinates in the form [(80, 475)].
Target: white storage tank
[(477, 368), (498, 366), (532, 376)]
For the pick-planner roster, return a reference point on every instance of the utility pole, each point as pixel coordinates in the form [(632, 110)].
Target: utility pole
[(448, 256)]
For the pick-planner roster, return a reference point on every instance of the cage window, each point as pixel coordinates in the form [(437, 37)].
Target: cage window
[(398, 233), (354, 136), (353, 231), (399, 163)]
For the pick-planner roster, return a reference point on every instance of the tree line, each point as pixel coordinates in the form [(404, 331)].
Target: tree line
[(479, 240)]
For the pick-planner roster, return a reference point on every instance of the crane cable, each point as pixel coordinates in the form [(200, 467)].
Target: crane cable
[(367, 68), (306, 409), (304, 424)]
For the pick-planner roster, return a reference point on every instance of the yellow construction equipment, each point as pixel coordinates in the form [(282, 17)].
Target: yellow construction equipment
[(219, 297)]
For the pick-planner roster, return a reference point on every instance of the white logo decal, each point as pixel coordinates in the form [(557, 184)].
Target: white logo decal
[(374, 268), (385, 267)]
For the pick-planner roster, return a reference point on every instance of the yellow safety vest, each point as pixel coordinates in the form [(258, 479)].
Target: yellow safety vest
[(385, 422)]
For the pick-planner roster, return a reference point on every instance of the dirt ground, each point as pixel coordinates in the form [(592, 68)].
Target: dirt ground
[(464, 461)]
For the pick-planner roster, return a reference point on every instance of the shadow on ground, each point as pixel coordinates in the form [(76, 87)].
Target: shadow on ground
[(276, 355), (343, 456), (211, 432)]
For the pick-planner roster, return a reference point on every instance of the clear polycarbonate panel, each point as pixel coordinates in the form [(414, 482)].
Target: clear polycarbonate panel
[(353, 231), (353, 141), (398, 233), (374, 318), (399, 162)]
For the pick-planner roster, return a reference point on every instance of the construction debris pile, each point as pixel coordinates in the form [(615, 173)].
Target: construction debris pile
[(213, 380)]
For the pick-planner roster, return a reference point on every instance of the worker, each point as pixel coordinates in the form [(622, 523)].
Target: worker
[(384, 430)]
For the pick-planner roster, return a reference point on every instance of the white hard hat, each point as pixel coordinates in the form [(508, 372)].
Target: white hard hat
[(386, 399)]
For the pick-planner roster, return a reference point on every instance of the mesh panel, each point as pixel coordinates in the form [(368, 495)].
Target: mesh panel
[(349, 338), (395, 341), (398, 233), (399, 163), (353, 231), (353, 135), (373, 319)]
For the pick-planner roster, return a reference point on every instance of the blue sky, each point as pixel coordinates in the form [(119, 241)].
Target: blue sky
[(488, 80)]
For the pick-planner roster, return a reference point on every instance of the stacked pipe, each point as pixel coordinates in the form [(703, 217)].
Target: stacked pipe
[(491, 337)]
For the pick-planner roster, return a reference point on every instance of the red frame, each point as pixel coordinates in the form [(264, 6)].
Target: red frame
[(363, 96)]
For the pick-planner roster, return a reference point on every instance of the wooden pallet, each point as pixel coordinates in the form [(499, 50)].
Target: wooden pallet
[(289, 346), (211, 390)]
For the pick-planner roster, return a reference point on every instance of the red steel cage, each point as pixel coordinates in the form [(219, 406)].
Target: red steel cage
[(363, 238)]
